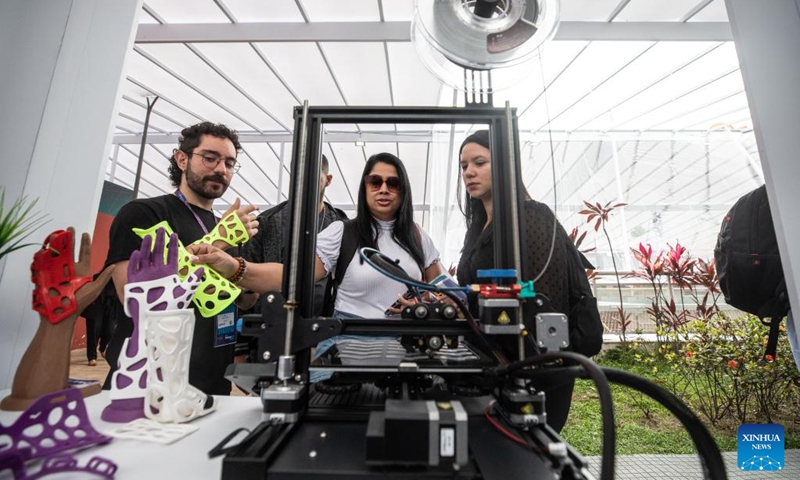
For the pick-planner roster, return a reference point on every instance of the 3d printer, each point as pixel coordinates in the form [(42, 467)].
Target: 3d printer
[(417, 409)]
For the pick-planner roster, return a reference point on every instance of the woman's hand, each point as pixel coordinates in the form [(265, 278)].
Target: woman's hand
[(221, 262)]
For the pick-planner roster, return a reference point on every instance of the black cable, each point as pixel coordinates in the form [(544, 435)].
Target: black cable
[(603, 391), (707, 449)]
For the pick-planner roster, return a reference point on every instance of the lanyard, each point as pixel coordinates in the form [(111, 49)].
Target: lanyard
[(182, 198)]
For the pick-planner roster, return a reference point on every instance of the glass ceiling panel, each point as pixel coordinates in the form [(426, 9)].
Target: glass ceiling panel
[(163, 106), (397, 10), (714, 12), (138, 112), (717, 63), (145, 17), (412, 83), (361, 71), (655, 10), (153, 77), (654, 64), (739, 120), (350, 160), (187, 11), (372, 148), (691, 103), (341, 10), (678, 186), (555, 57), (243, 65), (415, 159), (129, 124), (302, 67), (260, 11), (193, 69), (340, 192), (597, 62), (711, 113), (591, 10)]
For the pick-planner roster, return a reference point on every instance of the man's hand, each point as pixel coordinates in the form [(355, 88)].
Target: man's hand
[(215, 258), (247, 215)]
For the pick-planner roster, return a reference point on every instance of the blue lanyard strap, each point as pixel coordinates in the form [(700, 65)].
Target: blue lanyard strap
[(182, 198)]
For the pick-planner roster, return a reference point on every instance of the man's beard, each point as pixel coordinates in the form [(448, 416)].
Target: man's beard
[(199, 184)]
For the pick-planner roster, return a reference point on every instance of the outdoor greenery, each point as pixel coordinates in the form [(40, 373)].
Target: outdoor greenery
[(712, 361), (644, 426)]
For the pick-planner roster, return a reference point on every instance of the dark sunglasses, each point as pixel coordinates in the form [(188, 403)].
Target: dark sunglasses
[(375, 182)]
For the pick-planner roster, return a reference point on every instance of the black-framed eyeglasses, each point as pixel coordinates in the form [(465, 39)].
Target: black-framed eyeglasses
[(211, 160), (375, 182)]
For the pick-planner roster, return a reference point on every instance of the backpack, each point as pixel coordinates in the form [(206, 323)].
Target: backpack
[(585, 324), (346, 253), (749, 263)]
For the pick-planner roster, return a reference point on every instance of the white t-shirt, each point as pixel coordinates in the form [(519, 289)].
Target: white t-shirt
[(364, 291)]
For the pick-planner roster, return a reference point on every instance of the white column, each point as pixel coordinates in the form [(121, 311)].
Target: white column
[(767, 36), (63, 65)]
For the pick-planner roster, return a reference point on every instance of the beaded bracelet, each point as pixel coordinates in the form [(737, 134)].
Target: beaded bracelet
[(239, 272)]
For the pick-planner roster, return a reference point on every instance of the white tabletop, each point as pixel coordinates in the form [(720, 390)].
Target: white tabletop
[(186, 458)]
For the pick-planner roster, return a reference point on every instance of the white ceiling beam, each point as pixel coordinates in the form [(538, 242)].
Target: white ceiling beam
[(401, 32), (425, 137)]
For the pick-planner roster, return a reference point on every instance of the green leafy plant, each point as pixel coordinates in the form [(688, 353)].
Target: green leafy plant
[(17, 223), (726, 375), (599, 215)]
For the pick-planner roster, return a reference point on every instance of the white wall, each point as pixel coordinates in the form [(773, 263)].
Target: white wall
[(62, 67), (767, 38)]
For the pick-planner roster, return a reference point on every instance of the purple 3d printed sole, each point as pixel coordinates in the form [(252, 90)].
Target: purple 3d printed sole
[(59, 463), (54, 423)]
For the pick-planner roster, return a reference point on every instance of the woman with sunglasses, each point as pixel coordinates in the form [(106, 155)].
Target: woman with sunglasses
[(538, 228), (384, 221)]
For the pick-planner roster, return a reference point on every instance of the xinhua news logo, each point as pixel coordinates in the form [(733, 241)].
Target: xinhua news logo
[(760, 447)]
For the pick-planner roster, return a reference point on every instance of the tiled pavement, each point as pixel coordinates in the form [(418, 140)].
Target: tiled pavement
[(687, 467)]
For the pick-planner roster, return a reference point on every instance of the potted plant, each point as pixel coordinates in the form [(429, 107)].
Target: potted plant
[(17, 223)]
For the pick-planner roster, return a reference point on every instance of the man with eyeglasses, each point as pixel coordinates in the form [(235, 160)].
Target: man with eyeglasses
[(201, 170)]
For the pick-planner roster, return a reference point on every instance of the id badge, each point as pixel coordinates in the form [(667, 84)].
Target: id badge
[(225, 327)]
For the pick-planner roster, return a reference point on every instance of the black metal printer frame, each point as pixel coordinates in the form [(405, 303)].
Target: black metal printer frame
[(324, 435)]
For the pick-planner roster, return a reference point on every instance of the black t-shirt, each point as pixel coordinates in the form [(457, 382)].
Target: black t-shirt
[(208, 363)]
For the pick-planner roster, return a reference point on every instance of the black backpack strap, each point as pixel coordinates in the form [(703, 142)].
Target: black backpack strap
[(346, 253), (772, 339)]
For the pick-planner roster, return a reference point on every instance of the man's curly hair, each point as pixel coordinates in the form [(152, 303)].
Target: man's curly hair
[(190, 139)]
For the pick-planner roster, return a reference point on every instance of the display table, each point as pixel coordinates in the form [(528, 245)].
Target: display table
[(186, 458)]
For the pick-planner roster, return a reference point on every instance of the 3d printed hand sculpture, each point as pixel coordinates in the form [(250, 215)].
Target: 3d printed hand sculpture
[(62, 291)]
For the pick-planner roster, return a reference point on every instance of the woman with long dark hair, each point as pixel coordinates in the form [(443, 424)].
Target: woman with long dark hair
[(384, 221), (549, 270)]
